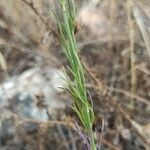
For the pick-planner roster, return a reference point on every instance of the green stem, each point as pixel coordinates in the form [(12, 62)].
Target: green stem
[(77, 86), (89, 130), (92, 140)]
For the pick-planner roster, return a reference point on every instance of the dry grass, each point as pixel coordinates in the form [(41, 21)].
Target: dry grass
[(114, 48)]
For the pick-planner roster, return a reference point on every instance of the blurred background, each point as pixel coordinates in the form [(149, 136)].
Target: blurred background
[(113, 39)]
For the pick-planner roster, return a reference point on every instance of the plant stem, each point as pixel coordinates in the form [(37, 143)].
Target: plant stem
[(76, 85), (90, 131)]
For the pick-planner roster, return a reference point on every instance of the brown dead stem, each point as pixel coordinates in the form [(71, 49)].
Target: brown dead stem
[(101, 89), (47, 25), (132, 55)]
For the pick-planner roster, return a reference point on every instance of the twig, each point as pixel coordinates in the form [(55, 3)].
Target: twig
[(48, 27), (101, 89), (141, 24), (5, 113), (132, 56), (126, 93), (143, 68), (110, 145), (101, 136), (105, 39)]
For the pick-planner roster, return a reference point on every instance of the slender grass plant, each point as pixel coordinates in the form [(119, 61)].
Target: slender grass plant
[(76, 82)]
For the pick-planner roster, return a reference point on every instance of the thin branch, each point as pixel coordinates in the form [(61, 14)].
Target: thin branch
[(48, 27), (142, 27), (5, 113), (132, 55), (101, 89), (126, 93)]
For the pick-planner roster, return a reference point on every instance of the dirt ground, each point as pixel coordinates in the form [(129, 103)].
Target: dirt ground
[(113, 40)]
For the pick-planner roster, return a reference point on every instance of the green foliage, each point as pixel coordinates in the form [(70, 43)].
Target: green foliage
[(76, 83)]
